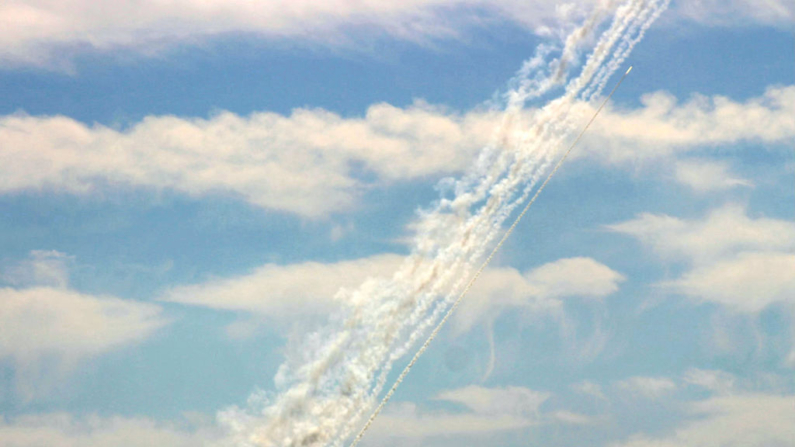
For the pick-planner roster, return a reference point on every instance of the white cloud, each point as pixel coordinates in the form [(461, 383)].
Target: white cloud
[(44, 327), (583, 277), (509, 400), (571, 418), (539, 289), (729, 12), (285, 292), (707, 176), (747, 283), (732, 421), (724, 232), (42, 268), (305, 163), (648, 387), (42, 320), (663, 128), (487, 414), (716, 381), (741, 263), (490, 410), (65, 430), (35, 29), (310, 162), (43, 33), (590, 389), (406, 421)]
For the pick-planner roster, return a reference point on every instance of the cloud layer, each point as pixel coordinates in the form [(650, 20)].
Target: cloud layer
[(285, 293), (45, 33), (45, 327), (744, 264), (65, 430), (310, 163), (488, 410), (664, 127), (541, 289), (733, 421), (314, 162), (35, 30)]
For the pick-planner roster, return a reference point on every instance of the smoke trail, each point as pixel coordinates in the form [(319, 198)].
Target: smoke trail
[(341, 369), (477, 274)]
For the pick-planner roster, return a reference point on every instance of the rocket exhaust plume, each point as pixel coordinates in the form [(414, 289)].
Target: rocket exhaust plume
[(327, 386), (477, 274)]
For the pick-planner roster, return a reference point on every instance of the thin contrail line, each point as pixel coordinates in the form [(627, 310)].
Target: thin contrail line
[(483, 266)]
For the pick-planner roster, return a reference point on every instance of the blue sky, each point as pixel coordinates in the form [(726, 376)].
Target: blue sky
[(185, 186)]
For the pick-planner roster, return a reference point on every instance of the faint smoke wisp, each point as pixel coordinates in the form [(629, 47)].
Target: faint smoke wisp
[(326, 387)]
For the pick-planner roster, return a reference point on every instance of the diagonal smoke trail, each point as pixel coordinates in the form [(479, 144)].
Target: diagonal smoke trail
[(340, 370), (477, 274)]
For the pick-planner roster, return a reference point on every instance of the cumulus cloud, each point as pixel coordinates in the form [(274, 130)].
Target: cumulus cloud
[(43, 320), (307, 163), (405, 420), (314, 162), (488, 410), (723, 232), (647, 387), (589, 388), (35, 30), (44, 33), (284, 292), (508, 400), (729, 12), (747, 283), (539, 290), (731, 421), (43, 268), (717, 381), (65, 430), (743, 264), (45, 324), (47, 328), (705, 176), (663, 128)]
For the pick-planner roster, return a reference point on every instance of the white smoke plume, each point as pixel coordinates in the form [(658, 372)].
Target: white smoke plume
[(333, 380)]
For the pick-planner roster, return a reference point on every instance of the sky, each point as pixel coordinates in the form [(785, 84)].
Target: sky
[(186, 185)]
